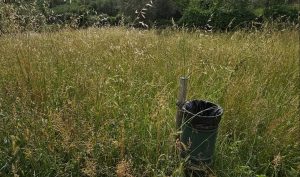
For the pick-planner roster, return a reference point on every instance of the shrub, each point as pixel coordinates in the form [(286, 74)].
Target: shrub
[(195, 17), (8, 15), (231, 19), (21, 17), (218, 19), (282, 13)]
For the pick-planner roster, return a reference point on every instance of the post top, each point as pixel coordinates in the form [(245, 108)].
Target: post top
[(183, 78)]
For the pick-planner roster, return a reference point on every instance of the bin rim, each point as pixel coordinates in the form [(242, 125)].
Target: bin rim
[(194, 115)]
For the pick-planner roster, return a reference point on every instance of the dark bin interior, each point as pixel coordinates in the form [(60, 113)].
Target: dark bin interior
[(202, 114)]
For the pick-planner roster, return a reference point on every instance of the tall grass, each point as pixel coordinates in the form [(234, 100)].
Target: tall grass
[(101, 102)]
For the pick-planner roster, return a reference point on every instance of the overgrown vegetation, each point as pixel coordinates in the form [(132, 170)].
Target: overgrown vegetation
[(45, 15), (101, 102)]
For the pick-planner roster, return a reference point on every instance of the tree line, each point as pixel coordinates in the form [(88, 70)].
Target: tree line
[(21, 15)]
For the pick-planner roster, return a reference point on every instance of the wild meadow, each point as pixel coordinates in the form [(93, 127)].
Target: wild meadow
[(102, 102)]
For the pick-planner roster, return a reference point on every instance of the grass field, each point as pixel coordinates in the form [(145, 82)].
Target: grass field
[(101, 102)]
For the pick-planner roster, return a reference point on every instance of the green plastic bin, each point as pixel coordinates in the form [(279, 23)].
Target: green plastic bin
[(199, 131)]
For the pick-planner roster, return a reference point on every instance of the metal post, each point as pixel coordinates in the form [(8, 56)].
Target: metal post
[(181, 100)]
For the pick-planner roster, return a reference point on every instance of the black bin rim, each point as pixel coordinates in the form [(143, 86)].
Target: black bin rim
[(191, 110)]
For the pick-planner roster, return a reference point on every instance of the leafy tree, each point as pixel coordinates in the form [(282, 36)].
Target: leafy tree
[(109, 7), (182, 4), (129, 7), (163, 9)]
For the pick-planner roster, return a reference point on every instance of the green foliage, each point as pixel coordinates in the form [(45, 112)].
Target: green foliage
[(203, 4), (195, 17), (109, 7), (235, 4), (163, 9), (182, 4), (232, 13), (37, 15), (70, 8), (218, 19), (130, 6), (232, 19), (23, 16), (282, 13)]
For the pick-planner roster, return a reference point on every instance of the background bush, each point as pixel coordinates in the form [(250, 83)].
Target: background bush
[(232, 19), (37, 15), (20, 17), (283, 13), (195, 17)]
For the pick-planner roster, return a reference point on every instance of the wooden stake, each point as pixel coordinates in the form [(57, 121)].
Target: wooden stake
[(181, 100)]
